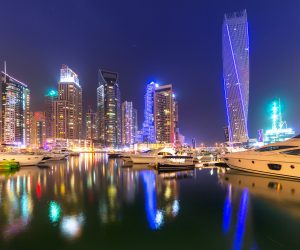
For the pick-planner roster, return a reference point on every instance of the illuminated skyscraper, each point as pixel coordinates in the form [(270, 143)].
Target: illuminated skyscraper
[(67, 109), (38, 129), (90, 125), (128, 123), (109, 109), (50, 97), (148, 129), (236, 74), (15, 114), (164, 113)]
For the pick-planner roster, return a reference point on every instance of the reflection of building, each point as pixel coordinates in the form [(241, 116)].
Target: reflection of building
[(236, 74), (161, 199), (68, 107), (50, 97), (90, 125), (164, 114), (148, 130), (38, 129), (15, 113), (109, 109)]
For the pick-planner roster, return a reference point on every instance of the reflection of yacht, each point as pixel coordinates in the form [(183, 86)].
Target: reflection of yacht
[(282, 192), (177, 175), (152, 156), (23, 159), (277, 159)]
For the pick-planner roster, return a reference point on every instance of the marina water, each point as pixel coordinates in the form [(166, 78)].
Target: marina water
[(92, 202)]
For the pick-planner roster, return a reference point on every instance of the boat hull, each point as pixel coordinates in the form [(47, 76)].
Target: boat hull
[(143, 159), (23, 160), (271, 167)]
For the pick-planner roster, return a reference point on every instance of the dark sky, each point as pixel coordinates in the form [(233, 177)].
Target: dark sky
[(168, 41)]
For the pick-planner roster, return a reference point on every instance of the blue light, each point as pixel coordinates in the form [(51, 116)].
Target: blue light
[(155, 218), (242, 216), (227, 211)]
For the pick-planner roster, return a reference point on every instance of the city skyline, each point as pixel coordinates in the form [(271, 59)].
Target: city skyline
[(190, 59)]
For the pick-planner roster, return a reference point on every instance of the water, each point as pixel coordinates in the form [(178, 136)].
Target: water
[(92, 202)]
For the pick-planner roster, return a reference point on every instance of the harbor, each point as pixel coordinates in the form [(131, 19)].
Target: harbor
[(94, 200)]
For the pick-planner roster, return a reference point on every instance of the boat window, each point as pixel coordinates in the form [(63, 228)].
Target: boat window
[(164, 153), (273, 148), (292, 152)]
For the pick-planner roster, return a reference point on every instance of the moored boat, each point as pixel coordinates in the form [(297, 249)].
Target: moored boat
[(276, 159), (22, 159), (175, 163)]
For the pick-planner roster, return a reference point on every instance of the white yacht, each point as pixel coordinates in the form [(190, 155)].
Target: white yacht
[(23, 159), (152, 156), (276, 159)]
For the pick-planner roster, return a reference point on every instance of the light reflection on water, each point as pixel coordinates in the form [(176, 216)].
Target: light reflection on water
[(83, 198)]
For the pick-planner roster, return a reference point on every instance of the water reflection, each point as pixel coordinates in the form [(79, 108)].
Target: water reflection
[(276, 195), (85, 188)]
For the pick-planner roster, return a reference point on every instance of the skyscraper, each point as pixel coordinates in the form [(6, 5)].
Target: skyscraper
[(109, 109), (90, 125), (164, 112), (148, 129), (50, 97), (236, 74), (38, 129), (128, 123), (67, 109), (15, 114)]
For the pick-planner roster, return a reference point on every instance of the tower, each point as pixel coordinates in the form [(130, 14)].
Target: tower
[(109, 109), (235, 43), (67, 109)]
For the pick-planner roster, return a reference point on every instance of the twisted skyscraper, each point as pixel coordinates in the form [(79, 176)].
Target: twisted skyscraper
[(236, 74)]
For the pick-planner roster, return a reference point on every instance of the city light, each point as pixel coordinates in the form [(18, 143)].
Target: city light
[(52, 93), (54, 212)]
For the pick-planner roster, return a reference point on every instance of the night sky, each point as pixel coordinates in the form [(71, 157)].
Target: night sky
[(177, 42)]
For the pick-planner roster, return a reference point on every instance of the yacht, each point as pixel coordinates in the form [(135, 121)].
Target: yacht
[(22, 159), (276, 159), (152, 156)]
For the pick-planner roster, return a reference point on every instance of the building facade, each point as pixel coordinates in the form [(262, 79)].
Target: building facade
[(109, 109), (38, 129), (67, 109), (90, 125), (15, 111), (148, 129), (129, 116), (164, 114), (50, 97), (235, 43)]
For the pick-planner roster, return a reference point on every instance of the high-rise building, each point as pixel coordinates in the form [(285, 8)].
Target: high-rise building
[(135, 125), (164, 112), (236, 74), (90, 125), (38, 129), (50, 97), (67, 109), (148, 129), (14, 109), (129, 120), (109, 109)]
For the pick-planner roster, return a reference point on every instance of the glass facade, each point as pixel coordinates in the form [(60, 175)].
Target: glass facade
[(109, 109), (236, 74)]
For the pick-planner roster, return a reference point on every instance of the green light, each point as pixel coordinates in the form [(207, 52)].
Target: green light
[(54, 211), (52, 93)]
